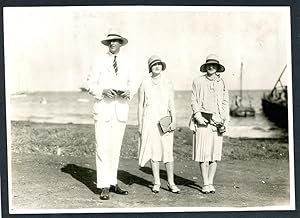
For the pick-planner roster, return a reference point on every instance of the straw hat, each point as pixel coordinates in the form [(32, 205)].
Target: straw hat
[(212, 59), (154, 59), (114, 34)]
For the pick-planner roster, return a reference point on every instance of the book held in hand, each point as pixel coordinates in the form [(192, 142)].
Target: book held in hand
[(207, 116), (164, 123)]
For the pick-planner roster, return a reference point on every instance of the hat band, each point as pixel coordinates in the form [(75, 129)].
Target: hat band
[(212, 60), (154, 62), (114, 35)]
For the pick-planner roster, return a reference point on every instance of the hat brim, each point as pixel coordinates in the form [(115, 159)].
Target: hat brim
[(158, 61), (221, 68), (110, 38)]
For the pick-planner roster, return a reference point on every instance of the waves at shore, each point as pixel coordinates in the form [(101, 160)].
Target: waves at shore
[(76, 107)]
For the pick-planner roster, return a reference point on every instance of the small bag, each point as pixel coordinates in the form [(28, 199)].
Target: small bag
[(164, 123), (220, 127)]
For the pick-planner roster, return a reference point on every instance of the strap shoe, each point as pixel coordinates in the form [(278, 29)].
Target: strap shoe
[(173, 188)]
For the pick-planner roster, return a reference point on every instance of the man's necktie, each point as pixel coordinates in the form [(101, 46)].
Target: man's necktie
[(115, 65)]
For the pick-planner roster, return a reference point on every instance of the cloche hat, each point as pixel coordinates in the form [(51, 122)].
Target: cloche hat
[(212, 59), (156, 59), (114, 34)]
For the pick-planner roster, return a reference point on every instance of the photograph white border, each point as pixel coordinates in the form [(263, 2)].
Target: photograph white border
[(170, 209)]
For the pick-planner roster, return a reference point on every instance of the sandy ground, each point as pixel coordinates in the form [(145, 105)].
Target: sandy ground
[(66, 182), (53, 167)]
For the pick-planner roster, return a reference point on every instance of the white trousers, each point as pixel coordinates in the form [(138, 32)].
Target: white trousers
[(109, 137)]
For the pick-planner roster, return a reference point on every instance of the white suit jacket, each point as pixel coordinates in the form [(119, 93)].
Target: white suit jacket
[(103, 76)]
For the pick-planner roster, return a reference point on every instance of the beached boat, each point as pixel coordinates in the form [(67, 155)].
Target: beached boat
[(242, 111), (274, 104), (239, 109)]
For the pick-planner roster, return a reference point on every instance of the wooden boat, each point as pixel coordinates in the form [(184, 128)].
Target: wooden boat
[(240, 110), (274, 104)]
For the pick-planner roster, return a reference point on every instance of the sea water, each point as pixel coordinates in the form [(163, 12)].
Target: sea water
[(76, 107)]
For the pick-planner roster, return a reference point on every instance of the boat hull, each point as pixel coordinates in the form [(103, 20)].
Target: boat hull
[(276, 112), (242, 112)]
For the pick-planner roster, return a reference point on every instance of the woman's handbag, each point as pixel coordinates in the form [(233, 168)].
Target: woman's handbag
[(220, 127), (164, 123)]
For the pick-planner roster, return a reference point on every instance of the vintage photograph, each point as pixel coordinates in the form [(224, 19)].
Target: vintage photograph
[(148, 109)]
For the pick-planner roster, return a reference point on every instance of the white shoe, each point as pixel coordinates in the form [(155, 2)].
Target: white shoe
[(205, 189), (212, 189), (173, 188), (156, 188)]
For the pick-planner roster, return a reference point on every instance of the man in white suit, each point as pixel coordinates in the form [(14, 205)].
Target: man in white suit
[(110, 82)]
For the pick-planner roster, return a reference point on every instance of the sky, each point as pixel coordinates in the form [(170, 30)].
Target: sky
[(53, 48)]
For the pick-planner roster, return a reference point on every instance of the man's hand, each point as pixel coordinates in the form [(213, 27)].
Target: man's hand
[(201, 120), (125, 94), (109, 93)]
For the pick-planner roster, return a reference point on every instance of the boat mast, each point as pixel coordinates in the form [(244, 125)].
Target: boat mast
[(278, 80), (241, 80)]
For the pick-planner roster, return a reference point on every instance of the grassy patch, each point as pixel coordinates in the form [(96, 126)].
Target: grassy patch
[(78, 140)]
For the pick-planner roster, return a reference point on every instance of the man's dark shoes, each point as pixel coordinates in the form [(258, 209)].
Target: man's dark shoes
[(116, 189), (104, 194)]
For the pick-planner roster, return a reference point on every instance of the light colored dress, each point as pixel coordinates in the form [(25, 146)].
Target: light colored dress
[(158, 101), (210, 96)]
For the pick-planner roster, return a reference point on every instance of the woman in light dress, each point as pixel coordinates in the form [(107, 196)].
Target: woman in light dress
[(209, 97), (156, 100)]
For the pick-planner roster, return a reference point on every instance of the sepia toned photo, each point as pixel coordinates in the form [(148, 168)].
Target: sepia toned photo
[(148, 109)]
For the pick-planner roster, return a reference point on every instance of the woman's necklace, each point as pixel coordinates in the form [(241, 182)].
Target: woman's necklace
[(156, 79), (211, 83)]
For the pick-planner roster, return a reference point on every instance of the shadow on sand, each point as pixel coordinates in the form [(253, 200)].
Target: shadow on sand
[(84, 175), (88, 177)]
